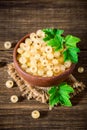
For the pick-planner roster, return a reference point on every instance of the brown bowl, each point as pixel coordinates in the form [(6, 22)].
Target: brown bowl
[(38, 80)]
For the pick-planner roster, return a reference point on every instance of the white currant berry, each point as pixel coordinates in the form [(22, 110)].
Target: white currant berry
[(14, 99), (40, 33), (67, 64), (35, 114), (62, 68), (80, 69), (7, 45), (9, 84)]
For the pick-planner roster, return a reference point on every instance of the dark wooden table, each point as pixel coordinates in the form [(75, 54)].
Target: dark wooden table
[(18, 18)]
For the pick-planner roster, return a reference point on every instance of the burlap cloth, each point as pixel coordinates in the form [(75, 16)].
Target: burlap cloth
[(40, 93)]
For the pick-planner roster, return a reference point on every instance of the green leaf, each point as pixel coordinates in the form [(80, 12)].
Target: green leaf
[(53, 101), (56, 43), (60, 94), (59, 40), (51, 43), (50, 32), (52, 90), (54, 38), (65, 90), (71, 54), (53, 32), (47, 38), (59, 32), (53, 98), (66, 87), (66, 55), (65, 101), (71, 40)]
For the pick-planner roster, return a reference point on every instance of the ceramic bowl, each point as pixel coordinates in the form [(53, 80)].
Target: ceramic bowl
[(38, 80)]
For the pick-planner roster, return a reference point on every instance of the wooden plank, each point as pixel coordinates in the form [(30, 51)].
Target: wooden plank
[(35, 15), (22, 119)]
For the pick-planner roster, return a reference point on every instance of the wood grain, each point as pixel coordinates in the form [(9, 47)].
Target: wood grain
[(18, 18)]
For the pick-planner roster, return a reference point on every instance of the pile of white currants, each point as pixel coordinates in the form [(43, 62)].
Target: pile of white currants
[(37, 58)]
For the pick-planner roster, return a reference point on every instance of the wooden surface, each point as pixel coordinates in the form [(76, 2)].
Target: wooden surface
[(18, 18)]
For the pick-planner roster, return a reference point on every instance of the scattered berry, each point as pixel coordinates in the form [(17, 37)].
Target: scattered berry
[(80, 69), (14, 99), (7, 45), (9, 84), (35, 114)]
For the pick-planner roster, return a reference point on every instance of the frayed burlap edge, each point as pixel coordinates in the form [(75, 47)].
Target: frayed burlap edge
[(40, 93)]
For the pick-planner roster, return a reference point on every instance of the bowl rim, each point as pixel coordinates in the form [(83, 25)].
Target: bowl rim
[(16, 64)]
